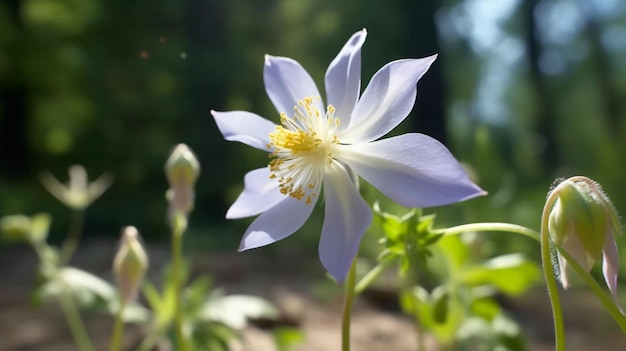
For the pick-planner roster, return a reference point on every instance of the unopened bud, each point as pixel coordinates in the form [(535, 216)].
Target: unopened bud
[(583, 222), (182, 170), (15, 228), (130, 265), (20, 228)]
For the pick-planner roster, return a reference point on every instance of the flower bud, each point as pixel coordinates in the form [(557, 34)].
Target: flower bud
[(15, 228), (583, 221), (20, 228), (182, 170), (129, 265)]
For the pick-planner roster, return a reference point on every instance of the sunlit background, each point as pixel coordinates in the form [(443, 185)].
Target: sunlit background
[(522, 92)]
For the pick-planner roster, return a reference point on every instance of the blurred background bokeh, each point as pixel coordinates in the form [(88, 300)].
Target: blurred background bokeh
[(522, 92)]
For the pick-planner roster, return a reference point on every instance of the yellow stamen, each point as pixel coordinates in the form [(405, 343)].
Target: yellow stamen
[(303, 147)]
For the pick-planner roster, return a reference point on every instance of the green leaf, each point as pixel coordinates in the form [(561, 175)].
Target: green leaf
[(196, 294), (485, 308), (509, 334), (169, 276), (425, 224), (440, 312), (288, 338), (89, 291), (444, 328), (133, 313), (165, 312), (440, 308), (152, 296), (405, 265), (162, 306), (79, 281), (235, 310), (454, 251), (407, 299), (432, 239), (512, 274), (212, 336), (500, 334)]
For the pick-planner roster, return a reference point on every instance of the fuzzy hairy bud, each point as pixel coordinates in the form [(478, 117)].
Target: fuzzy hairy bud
[(583, 222)]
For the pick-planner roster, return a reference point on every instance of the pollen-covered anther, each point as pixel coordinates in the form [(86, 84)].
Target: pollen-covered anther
[(302, 148)]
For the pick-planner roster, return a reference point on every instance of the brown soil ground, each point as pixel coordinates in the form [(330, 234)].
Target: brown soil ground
[(314, 306)]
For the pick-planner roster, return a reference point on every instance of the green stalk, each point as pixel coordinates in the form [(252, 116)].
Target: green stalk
[(118, 329), (73, 238), (419, 330), (179, 226), (371, 276), (493, 227), (347, 307), (548, 273), (72, 317)]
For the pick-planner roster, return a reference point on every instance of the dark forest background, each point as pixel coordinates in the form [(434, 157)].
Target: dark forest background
[(522, 92)]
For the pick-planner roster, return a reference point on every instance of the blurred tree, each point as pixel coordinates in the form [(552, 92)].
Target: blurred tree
[(602, 67), (422, 39), (522, 91), (14, 152), (546, 119)]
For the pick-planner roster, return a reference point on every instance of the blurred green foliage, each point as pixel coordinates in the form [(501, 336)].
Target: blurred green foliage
[(522, 92)]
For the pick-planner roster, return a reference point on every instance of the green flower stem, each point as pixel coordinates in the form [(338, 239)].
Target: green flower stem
[(550, 278), (347, 307), (419, 329), (492, 227), (178, 228), (72, 316), (606, 300), (41, 248), (73, 238), (371, 276), (118, 329)]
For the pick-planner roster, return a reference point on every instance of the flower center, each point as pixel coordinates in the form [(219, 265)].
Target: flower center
[(303, 146)]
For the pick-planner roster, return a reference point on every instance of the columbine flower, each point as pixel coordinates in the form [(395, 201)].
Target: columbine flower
[(78, 194), (314, 145), (584, 222)]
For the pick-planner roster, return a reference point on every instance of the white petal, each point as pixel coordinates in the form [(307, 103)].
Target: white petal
[(413, 169), (276, 223), (286, 82), (610, 264), (563, 271), (343, 78), (387, 100), (347, 217), (244, 127), (259, 193)]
